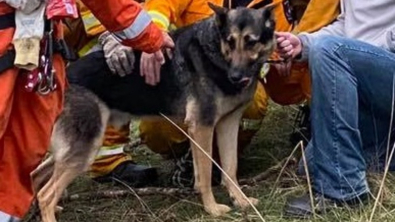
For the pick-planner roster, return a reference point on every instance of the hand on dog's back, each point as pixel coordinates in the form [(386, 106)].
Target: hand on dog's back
[(150, 63)]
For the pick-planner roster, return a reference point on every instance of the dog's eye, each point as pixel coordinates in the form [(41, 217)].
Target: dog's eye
[(231, 42), (250, 42)]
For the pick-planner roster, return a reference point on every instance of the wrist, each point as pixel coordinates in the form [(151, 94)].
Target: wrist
[(298, 50), (103, 37)]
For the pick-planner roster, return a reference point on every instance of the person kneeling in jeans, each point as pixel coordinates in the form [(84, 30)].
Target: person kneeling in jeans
[(352, 64)]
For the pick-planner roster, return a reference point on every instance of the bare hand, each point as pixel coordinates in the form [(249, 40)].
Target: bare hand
[(150, 64), (167, 41), (288, 45)]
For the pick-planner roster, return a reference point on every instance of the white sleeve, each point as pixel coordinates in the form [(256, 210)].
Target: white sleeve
[(335, 29)]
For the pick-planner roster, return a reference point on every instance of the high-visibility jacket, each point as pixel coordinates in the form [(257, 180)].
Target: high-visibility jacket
[(179, 13), (165, 14), (129, 23), (27, 118)]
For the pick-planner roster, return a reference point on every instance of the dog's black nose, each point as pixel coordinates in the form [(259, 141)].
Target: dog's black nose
[(239, 80), (236, 75), (235, 78)]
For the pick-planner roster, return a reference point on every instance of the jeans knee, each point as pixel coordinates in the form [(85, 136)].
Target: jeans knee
[(323, 48), (322, 52)]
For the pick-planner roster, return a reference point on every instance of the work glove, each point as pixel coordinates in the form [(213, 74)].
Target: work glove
[(26, 6), (29, 30), (119, 58)]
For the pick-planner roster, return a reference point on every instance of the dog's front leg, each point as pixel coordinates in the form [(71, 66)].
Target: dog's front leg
[(227, 134), (203, 136)]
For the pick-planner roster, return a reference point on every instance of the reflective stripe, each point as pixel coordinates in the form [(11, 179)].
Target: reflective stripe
[(136, 28), (172, 27), (250, 124), (91, 46), (8, 218), (109, 151), (158, 17), (90, 21)]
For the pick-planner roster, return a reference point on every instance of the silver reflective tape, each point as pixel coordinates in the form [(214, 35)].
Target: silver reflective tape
[(136, 28), (109, 152), (8, 218)]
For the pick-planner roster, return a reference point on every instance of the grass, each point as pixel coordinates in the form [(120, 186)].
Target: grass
[(270, 146)]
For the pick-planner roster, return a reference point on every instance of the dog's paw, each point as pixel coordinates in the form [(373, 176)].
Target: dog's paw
[(217, 210), (243, 203)]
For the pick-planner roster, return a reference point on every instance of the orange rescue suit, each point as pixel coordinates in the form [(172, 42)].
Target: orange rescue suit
[(27, 118)]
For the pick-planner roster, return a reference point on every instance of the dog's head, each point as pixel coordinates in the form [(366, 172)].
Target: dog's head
[(247, 39)]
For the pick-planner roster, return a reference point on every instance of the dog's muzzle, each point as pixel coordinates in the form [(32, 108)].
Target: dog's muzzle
[(239, 80)]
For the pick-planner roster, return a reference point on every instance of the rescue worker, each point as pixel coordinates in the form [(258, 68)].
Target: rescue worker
[(352, 63), (294, 87), (27, 118)]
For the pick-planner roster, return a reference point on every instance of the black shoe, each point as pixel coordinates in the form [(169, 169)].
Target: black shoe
[(183, 173), (132, 174), (301, 126), (300, 207)]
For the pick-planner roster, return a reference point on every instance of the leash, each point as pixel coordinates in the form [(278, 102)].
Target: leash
[(277, 61)]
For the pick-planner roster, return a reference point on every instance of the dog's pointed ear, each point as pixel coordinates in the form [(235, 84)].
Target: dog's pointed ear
[(267, 15), (267, 11), (220, 13)]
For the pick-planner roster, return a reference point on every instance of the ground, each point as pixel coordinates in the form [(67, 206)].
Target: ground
[(270, 146)]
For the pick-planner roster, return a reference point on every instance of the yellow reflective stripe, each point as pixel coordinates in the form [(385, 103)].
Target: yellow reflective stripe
[(136, 28), (250, 124), (172, 27), (158, 17), (88, 47), (90, 21), (110, 151)]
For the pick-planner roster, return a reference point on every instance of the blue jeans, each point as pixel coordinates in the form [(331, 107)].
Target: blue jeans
[(352, 95)]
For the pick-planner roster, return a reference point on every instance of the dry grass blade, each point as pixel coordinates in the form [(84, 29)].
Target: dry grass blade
[(382, 185), (388, 160), (120, 193), (216, 164), (306, 168), (143, 204), (290, 157), (269, 172)]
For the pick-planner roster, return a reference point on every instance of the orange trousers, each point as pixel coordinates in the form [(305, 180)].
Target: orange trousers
[(26, 121)]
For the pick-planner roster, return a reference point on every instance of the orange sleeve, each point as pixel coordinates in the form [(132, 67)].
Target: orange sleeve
[(128, 22), (166, 12), (317, 15)]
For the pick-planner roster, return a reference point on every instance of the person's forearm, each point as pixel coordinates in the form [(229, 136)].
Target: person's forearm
[(129, 23)]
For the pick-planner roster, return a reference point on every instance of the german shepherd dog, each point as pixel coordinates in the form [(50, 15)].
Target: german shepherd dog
[(207, 84)]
